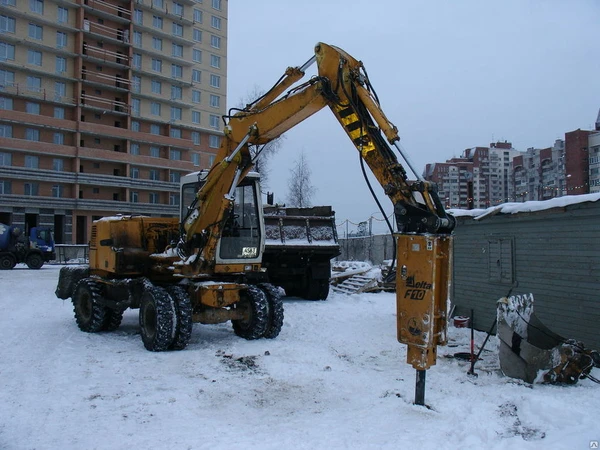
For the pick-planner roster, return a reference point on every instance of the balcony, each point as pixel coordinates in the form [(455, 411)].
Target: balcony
[(103, 9)]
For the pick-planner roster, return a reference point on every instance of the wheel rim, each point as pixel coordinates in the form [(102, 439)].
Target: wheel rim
[(5, 263)]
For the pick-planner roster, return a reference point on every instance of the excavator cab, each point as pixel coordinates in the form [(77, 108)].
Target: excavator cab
[(242, 238)]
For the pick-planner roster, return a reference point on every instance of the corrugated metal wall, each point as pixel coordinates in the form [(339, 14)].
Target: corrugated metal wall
[(554, 254)]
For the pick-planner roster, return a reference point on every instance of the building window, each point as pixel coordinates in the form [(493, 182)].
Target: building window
[(178, 50), (60, 90), (59, 112), (196, 96), (155, 109), (215, 80), (32, 108), (157, 22), (177, 9), (5, 159), (175, 113), (174, 199), (158, 4), (196, 55), (176, 133), (134, 149), (136, 84), (215, 101), (215, 41), (36, 31), (196, 156), (135, 172), (153, 197), (196, 76), (61, 39), (155, 129), (216, 4), (214, 141), (138, 16), (156, 65), (6, 103), (197, 16), (197, 35), (174, 177), (36, 6), (176, 71), (157, 43), (137, 38), (31, 188), (196, 117), (195, 140), (176, 92), (135, 106), (135, 125), (6, 131), (133, 197), (137, 61), (7, 24), (34, 84), (59, 138), (156, 87), (7, 78), (155, 151), (32, 162), (7, 52), (63, 15), (57, 191), (177, 29), (34, 57), (215, 22), (175, 155), (61, 64), (58, 164), (214, 121), (215, 61), (154, 175)]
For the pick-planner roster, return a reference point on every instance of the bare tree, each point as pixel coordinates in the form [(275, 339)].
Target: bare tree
[(265, 152), (300, 188)]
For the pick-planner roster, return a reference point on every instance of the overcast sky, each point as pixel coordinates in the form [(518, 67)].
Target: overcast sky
[(450, 74)]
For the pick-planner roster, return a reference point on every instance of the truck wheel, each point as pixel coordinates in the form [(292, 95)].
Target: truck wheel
[(275, 321), (157, 317), (317, 289), (34, 261), (7, 262), (112, 319), (183, 309), (90, 315), (254, 303)]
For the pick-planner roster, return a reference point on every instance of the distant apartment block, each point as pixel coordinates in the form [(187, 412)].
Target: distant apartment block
[(104, 104)]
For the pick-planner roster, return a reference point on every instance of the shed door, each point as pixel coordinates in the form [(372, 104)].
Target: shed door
[(500, 263)]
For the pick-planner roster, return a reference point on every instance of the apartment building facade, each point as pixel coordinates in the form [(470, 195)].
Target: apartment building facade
[(104, 104)]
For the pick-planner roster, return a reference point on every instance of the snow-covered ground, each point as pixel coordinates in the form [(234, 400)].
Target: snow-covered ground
[(336, 377)]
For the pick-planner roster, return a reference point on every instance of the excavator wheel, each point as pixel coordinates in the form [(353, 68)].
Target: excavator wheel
[(256, 306), (157, 319), (112, 319), (90, 315), (7, 262), (275, 315), (34, 261), (183, 309)]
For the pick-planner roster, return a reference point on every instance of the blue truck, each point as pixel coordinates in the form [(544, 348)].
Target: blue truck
[(33, 248)]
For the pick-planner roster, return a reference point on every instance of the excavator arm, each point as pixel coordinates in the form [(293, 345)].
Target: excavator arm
[(343, 85)]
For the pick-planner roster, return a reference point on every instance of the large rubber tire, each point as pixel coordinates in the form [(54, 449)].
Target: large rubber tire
[(157, 319), (34, 261), (256, 304), (183, 309), (275, 315), (317, 289), (7, 262), (112, 319), (90, 315)]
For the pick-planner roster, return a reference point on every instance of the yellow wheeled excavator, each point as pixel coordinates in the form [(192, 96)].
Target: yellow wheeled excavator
[(206, 266)]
